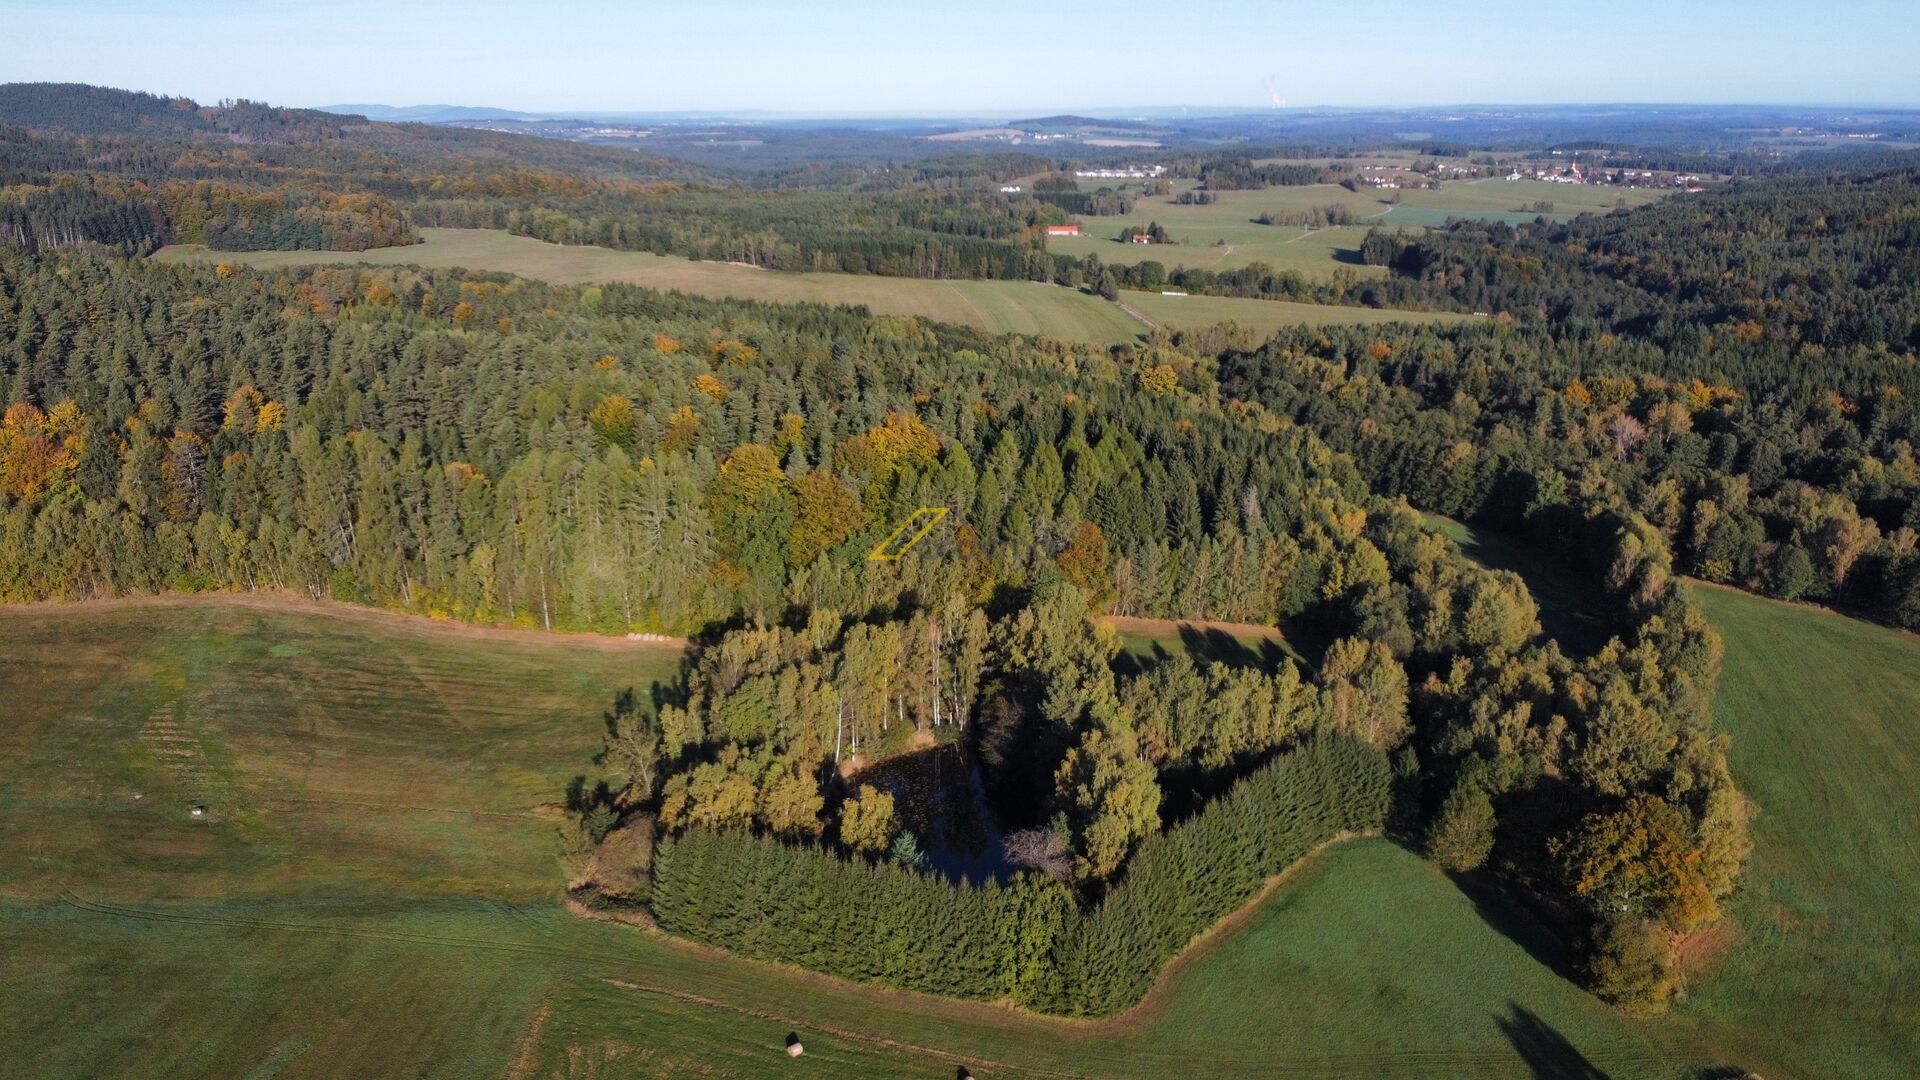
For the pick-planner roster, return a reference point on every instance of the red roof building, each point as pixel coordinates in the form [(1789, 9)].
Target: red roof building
[(1063, 230)]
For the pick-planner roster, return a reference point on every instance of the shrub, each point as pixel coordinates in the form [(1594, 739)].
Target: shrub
[(1461, 836), (1631, 965)]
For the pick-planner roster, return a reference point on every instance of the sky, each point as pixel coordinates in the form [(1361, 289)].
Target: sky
[(984, 58)]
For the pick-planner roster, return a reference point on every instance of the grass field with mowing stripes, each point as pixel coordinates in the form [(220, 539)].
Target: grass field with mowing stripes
[(374, 890)]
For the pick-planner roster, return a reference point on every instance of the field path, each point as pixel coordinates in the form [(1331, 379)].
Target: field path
[(1136, 314), (293, 603)]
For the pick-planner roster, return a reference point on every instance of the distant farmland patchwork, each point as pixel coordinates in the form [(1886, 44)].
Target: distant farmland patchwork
[(1018, 307), (1222, 235)]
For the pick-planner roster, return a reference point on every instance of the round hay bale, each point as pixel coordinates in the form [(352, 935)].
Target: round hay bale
[(794, 1049)]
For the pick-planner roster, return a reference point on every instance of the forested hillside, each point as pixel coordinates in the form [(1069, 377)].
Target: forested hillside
[(1800, 281), (83, 165), (1796, 495), (609, 458)]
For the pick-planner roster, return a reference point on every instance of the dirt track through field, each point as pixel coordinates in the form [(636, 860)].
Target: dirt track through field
[(392, 620)]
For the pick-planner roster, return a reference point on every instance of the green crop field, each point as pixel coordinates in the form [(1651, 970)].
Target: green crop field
[(1222, 235), (373, 889), (1017, 307)]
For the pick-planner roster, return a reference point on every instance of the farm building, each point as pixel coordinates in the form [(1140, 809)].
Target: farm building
[(1140, 238), (1063, 230)]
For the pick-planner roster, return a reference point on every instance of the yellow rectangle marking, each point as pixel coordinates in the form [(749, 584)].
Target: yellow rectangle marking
[(911, 532)]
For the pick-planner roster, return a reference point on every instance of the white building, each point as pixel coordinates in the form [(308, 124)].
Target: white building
[(1130, 172)]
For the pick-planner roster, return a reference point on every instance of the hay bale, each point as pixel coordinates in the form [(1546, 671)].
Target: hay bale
[(794, 1049), (197, 811)]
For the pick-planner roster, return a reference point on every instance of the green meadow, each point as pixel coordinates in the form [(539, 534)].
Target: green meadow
[(1018, 307), (373, 888), (1823, 963)]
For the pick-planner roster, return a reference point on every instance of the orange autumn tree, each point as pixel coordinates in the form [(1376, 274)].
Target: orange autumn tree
[(39, 450), (612, 420), (1640, 860), (879, 455), (1085, 563), (683, 427), (248, 411), (751, 506), (826, 512)]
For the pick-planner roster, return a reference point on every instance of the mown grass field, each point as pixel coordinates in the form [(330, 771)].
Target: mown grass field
[(1149, 641), (1824, 713), (374, 892), (1266, 316), (1223, 236), (1017, 307)]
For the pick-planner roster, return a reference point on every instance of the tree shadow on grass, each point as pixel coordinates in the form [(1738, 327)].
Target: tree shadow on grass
[(1547, 1053), (1211, 646), (1507, 917), (1570, 611), (1510, 918)]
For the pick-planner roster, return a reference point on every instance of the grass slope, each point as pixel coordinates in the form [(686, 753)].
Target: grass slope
[(1824, 712), (1148, 641), (375, 893), (1019, 307)]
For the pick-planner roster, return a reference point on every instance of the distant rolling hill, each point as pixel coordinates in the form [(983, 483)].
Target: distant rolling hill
[(427, 114)]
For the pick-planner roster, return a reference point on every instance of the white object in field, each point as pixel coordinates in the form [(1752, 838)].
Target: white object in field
[(794, 1049)]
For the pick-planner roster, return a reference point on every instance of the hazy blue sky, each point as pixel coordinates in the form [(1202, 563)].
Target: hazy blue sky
[(896, 56)]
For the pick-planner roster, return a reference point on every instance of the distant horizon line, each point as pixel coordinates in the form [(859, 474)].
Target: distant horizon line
[(1091, 112), (1007, 114), (1115, 112)]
